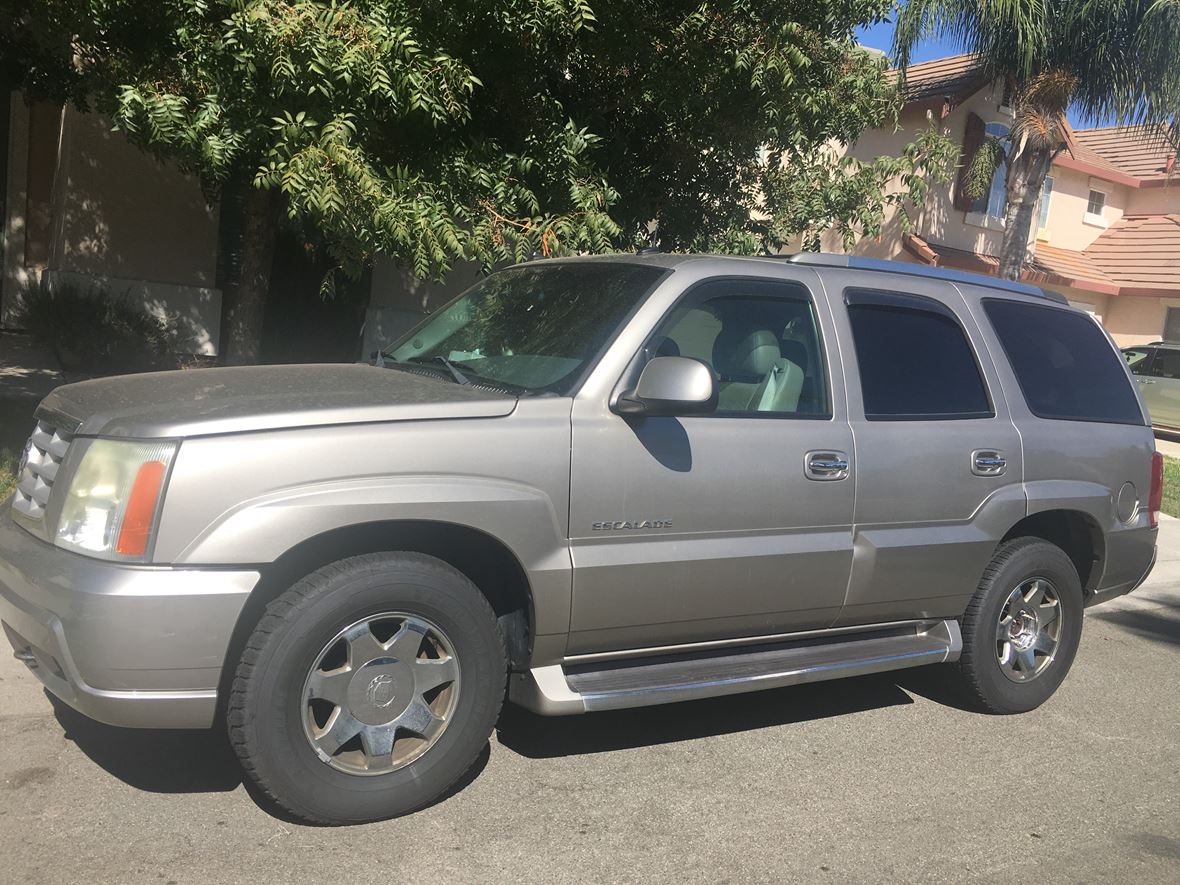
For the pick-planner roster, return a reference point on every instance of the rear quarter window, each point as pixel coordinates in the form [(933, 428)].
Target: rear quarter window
[(1064, 365)]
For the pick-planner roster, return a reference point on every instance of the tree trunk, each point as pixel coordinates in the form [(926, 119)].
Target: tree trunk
[(1023, 183), (244, 302)]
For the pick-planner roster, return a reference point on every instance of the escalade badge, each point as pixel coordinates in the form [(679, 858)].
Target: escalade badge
[(632, 524)]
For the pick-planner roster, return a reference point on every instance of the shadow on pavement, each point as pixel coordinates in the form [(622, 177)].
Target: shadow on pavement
[(1160, 623), (541, 737), (154, 760)]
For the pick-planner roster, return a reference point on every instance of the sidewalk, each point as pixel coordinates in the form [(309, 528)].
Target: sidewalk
[(26, 369)]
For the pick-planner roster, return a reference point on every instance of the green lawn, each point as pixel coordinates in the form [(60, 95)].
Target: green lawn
[(1171, 504), (16, 422)]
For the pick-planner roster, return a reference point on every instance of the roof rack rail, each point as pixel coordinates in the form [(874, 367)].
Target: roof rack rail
[(857, 262)]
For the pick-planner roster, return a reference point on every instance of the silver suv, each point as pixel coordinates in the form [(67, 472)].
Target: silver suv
[(588, 484)]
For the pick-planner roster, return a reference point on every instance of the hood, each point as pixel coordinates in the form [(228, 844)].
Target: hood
[(201, 402)]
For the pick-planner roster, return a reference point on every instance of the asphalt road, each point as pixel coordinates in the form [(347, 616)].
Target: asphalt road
[(872, 779)]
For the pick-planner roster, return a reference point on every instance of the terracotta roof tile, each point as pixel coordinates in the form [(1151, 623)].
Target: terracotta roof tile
[(1137, 254), (1140, 251), (955, 75), (1141, 151), (1067, 263)]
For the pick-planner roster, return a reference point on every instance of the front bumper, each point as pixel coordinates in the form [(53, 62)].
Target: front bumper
[(138, 646)]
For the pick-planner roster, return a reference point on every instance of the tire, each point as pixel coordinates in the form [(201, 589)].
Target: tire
[(306, 645), (993, 672)]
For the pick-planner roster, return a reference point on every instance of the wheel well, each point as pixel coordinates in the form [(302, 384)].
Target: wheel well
[(491, 566), (1074, 532)]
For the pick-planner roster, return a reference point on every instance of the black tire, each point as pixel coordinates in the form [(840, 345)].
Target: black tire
[(266, 706), (980, 676)]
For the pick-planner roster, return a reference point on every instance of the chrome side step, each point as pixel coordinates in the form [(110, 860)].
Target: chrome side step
[(559, 690)]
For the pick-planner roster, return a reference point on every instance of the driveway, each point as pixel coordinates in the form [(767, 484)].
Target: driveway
[(867, 780)]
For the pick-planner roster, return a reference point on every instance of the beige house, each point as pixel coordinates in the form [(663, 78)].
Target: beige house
[(82, 206), (1108, 229)]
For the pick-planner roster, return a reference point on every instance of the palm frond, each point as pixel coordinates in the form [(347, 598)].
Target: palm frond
[(982, 167)]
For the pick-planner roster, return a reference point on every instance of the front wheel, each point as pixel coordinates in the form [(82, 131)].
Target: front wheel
[(368, 688), (1021, 629)]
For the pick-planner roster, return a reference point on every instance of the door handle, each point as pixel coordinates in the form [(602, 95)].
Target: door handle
[(1146, 381), (825, 466), (988, 462)]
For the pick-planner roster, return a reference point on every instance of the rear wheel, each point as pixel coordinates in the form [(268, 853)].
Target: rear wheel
[(1022, 628), (368, 688)]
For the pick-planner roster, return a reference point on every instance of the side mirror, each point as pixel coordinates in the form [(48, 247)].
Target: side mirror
[(671, 385)]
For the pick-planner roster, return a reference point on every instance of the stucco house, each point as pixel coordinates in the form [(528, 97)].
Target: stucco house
[(1107, 234), (81, 205)]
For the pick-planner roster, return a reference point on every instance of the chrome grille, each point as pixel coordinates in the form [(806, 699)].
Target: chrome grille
[(46, 450)]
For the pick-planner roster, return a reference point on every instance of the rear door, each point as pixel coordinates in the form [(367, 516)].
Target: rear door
[(938, 457)]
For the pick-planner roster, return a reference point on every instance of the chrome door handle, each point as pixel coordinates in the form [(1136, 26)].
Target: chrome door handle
[(988, 462), (1146, 381), (825, 466)]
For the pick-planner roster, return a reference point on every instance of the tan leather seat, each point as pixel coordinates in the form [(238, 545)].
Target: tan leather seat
[(754, 376)]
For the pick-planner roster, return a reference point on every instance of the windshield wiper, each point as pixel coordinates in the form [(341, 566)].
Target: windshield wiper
[(459, 377)]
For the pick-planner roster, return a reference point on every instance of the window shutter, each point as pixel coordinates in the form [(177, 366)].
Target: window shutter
[(972, 139)]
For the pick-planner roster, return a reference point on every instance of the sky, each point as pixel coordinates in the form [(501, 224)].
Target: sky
[(880, 36)]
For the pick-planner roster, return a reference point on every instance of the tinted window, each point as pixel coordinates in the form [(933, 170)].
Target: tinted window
[(1166, 363), (1065, 366), (760, 339), (914, 360)]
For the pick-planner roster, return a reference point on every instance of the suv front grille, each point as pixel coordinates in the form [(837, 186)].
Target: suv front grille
[(47, 449)]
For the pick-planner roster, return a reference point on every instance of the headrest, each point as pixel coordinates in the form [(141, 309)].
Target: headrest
[(745, 353), (668, 347)]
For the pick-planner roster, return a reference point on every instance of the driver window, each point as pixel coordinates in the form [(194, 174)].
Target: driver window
[(760, 339)]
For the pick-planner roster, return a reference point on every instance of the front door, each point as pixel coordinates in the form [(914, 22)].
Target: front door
[(1161, 387), (728, 525)]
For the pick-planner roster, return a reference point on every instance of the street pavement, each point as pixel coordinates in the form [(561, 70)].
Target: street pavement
[(876, 779)]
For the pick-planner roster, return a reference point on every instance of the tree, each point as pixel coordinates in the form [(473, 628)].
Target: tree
[(1107, 58), (485, 131)]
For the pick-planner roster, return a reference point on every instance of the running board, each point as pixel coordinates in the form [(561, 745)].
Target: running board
[(560, 690)]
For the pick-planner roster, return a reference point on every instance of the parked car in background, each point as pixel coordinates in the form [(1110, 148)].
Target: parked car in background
[(591, 484), (1156, 368)]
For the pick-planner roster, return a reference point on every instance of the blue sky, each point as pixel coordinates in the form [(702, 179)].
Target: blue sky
[(880, 36)]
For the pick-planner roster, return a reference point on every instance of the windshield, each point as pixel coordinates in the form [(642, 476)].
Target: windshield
[(536, 328)]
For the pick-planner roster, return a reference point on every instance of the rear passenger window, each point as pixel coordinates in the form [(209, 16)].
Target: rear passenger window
[(1065, 366), (914, 359)]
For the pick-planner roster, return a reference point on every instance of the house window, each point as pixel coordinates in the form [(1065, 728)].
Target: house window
[(1043, 208), (1095, 206), (989, 208), (1172, 324)]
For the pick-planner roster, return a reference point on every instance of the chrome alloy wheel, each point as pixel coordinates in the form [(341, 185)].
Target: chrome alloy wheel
[(1029, 630), (380, 693)]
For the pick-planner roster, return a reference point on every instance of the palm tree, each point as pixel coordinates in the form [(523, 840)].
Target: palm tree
[(1115, 59)]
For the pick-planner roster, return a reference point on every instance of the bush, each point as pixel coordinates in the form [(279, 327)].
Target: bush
[(92, 331)]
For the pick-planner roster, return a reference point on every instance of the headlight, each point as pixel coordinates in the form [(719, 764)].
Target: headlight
[(111, 506)]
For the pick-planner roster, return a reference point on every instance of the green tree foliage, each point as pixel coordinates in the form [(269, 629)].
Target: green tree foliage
[(1106, 58), (476, 130)]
